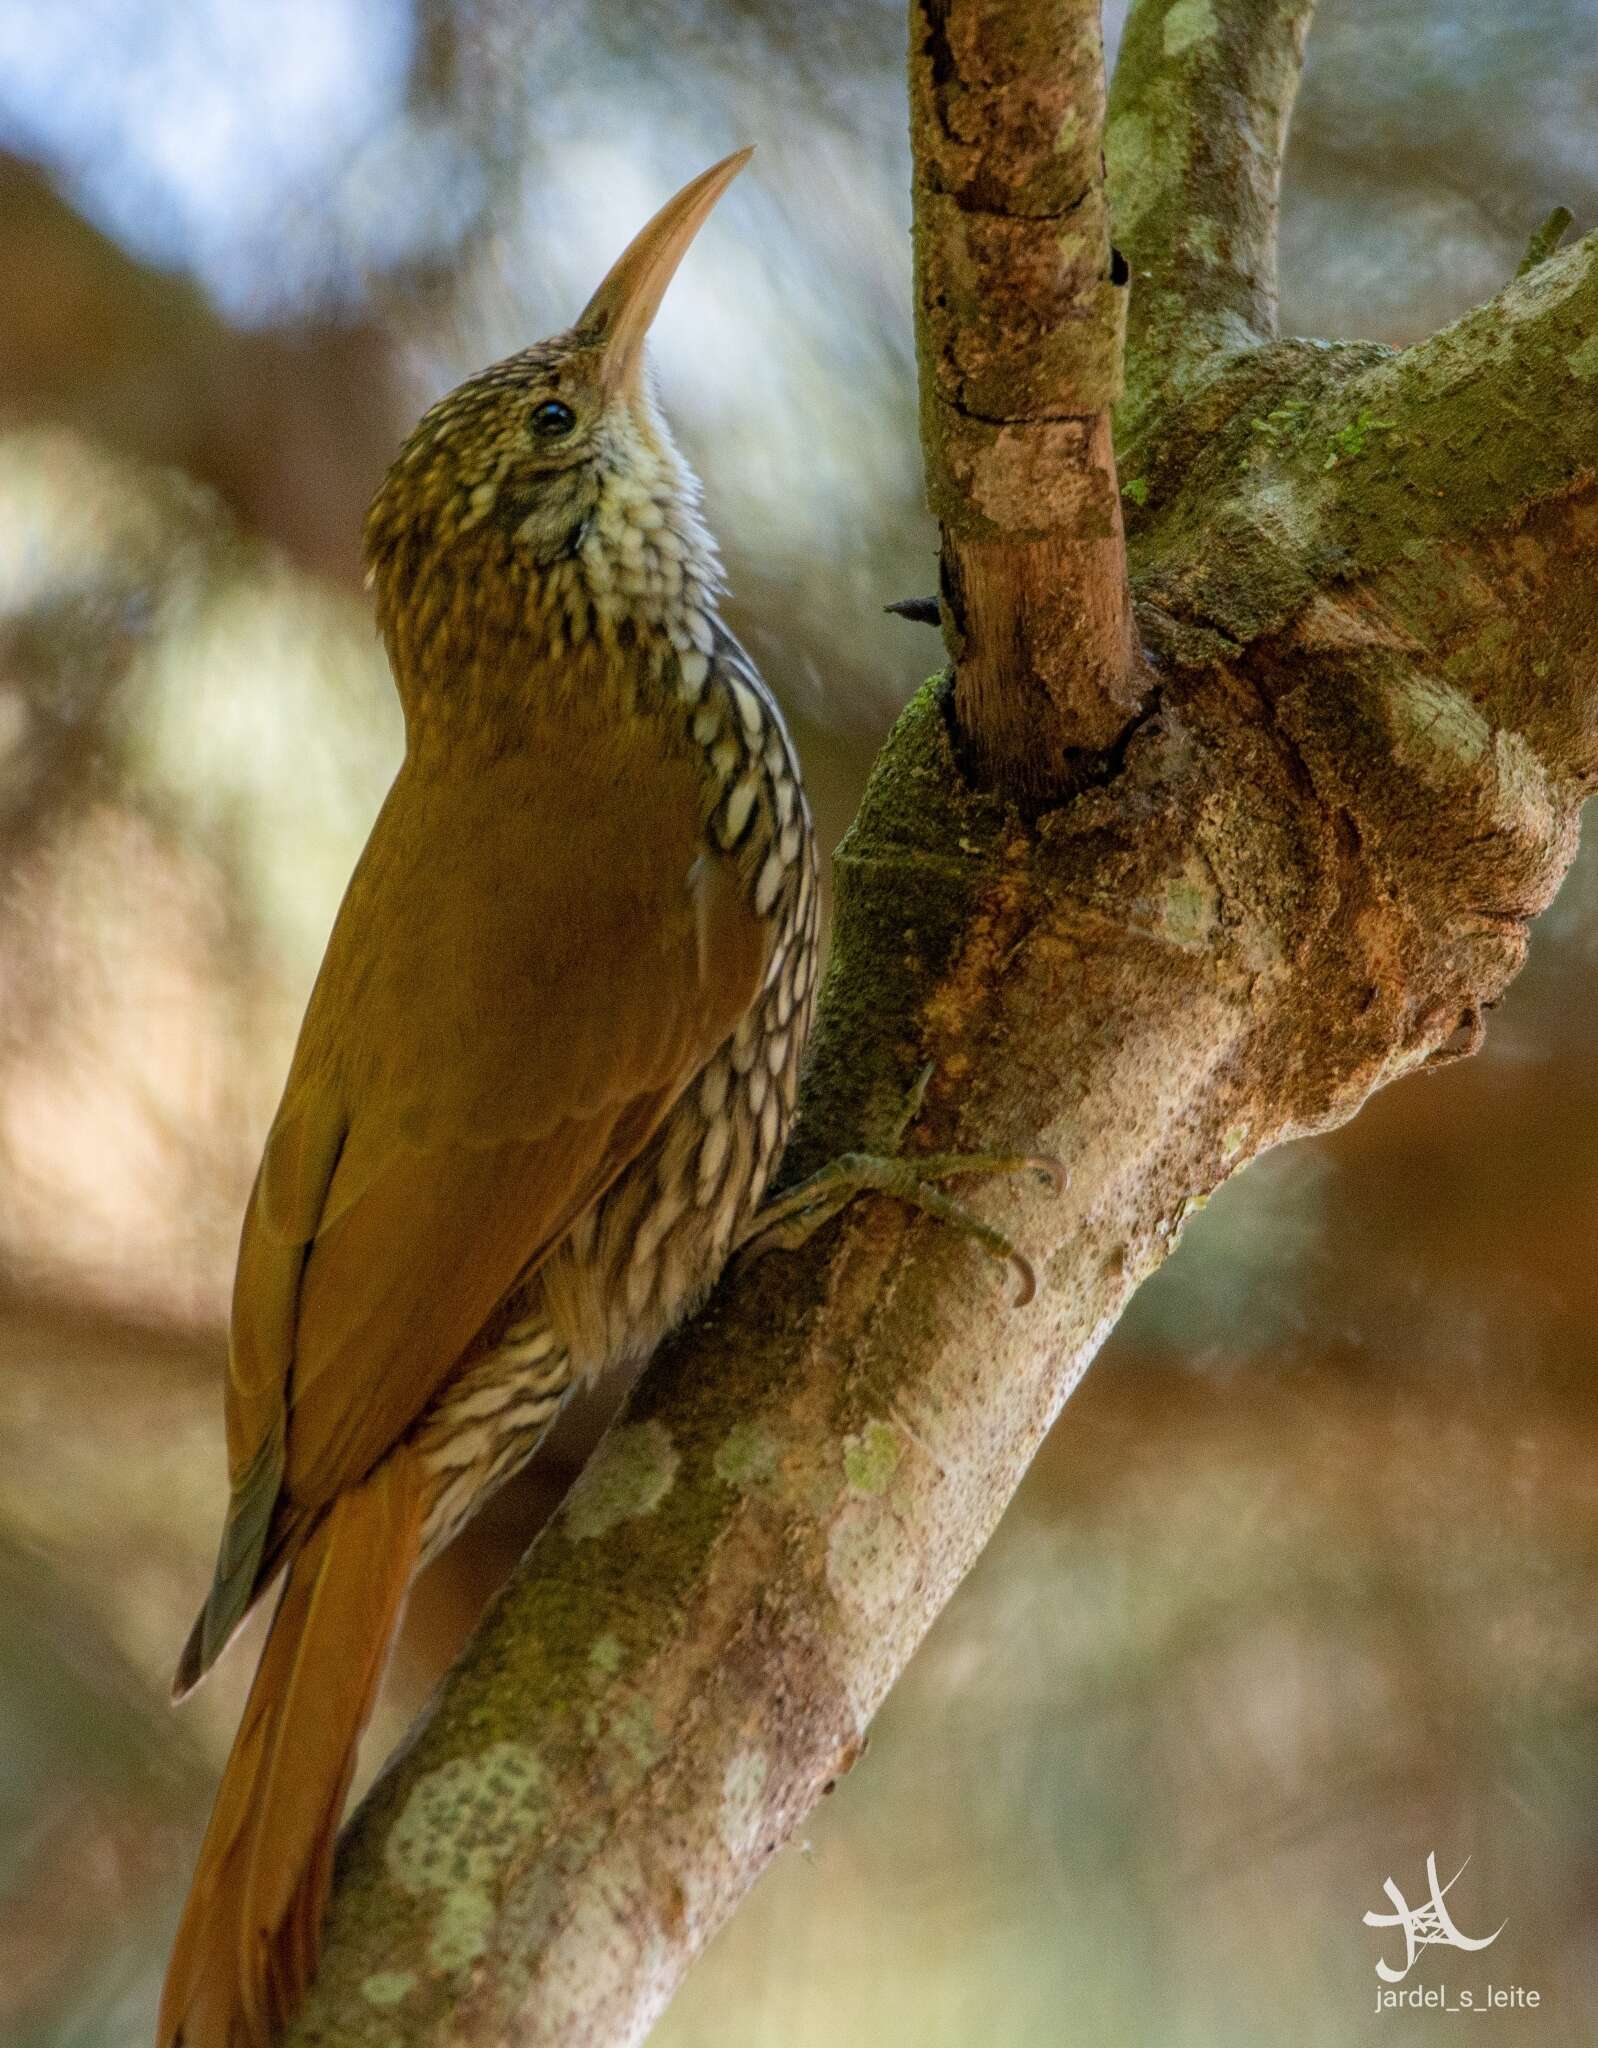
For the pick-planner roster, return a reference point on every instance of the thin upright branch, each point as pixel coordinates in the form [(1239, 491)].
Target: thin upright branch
[(1203, 94), (1021, 309)]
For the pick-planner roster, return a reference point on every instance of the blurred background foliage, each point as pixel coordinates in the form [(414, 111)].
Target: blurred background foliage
[(1303, 1585)]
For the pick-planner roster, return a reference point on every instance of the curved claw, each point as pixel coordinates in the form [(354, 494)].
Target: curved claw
[(791, 1218), (1026, 1279)]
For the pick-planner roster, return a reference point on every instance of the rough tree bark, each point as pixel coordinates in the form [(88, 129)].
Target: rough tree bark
[(1302, 866), (1020, 316)]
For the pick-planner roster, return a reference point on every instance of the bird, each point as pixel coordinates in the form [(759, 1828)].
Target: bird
[(545, 1073)]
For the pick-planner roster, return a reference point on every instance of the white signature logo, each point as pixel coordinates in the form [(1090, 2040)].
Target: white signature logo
[(1425, 1926)]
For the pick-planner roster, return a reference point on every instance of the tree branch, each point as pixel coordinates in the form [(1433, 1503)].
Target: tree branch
[(1203, 94), (1020, 311), (1301, 466), (1307, 864)]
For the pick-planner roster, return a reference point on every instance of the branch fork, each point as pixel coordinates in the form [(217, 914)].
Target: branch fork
[(1287, 882)]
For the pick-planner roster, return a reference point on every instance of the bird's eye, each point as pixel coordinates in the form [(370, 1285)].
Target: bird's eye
[(552, 419)]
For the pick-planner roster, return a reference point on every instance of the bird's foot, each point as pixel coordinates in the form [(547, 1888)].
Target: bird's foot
[(794, 1217)]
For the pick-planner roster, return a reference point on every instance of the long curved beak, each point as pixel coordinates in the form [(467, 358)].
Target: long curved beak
[(618, 316)]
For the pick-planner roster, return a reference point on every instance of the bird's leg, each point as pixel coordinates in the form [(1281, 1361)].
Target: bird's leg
[(794, 1217)]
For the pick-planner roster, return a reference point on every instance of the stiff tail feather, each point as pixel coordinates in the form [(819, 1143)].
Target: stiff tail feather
[(247, 1944)]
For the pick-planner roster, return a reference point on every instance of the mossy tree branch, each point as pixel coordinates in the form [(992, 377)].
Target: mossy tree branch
[(1203, 94), (1385, 455), (1366, 583)]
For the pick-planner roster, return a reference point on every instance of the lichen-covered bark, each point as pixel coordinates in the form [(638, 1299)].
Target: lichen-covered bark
[(1366, 583), (1203, 94), (1020, 310)]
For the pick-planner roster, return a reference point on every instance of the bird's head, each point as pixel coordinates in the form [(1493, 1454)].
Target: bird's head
[(552, 474)]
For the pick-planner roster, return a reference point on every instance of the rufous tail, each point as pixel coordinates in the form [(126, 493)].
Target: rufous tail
[(247, 1944)]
